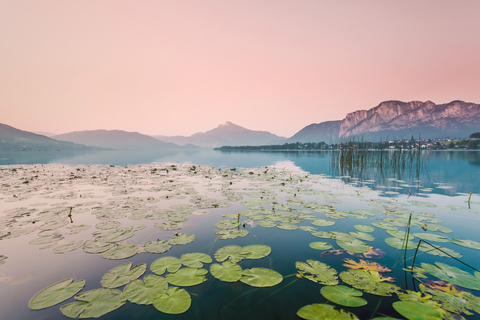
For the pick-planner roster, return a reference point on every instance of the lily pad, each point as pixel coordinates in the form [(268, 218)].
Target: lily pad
[(319, 245), (107, 225), (228, 271), (172, 301), (163, 264), (400, 244), (453, 275), (369, 281), (56, 293), (261, 277), (445, 252), (187, 277), (143, 293), (319, 311), (431, 237), (267, 224), (93, 246), (182, 239), (318, 272), (363, 228), (400, 234), (229, 252), (384, 225), (362, 236), (287, 226), (159, 246), (195, 260), (70, 246), (122, 274), (122, 251), (355, 246), (343, 296), (231, 234), (308, 228), (467, 243), (255, 251), (94, 303), (322, 222), (416, 311)]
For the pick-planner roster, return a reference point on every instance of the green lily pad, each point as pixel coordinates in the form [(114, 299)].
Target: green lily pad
[(369, 282), (182, 239), (384, 225), (343, 296), (143, 293), (267, 224), (287, 226), (318, 272), (431, 237), (122, 275), (163, 264), (56, 293), (400, 244), (355, 246), (453, 275), (159, 246), (261, 277), (187, 277), (107, 225), (400, 234), (363, 228), (438, 227), (322, 222), (231, 234), (195, 260), (167, 226), (229, 252), (362, 236), (308, 228), (336, 215), (172, 301), (456, 301), (446, 252), (416, 311), (121, 251), (70, 246), (93, 246), (225, 224), (255, 251), (467, 243), (117, 235), (94, 303), (319, 245), (319, 311), (228, 271)]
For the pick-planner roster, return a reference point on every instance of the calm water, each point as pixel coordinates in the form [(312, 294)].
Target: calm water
[(440, 188)]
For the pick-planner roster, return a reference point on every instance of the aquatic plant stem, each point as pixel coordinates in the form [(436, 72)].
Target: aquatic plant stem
[(407, 232)]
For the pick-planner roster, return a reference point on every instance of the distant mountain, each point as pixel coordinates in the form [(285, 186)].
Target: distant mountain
[(46, 134), (12, 139), (228, 134), (317, 132), (115, 139), (397, 120)]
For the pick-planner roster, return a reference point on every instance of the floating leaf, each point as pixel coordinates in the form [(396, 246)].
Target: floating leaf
[(225, 224), (70, 246), (365, 265), (94, 303), (369, 281), (384, 225), (158, 246), (182, 239), (363, 228), (287, 226), (229, 252), (195, 260), (122, 274), (344, 296), (320, 245), (400, 244), (452, 299), (255, 251), (416, 311), (163, 264), (400, 234), (107, 225), (374, 252), (56, 293), (231, 234), (308, 228), (431, 237), (187, 277), (261, 277), (355, 246), (172, 301), (453, 275), (143, 293), (167, 226), (267, 224), (439, 251), (467, 243), (319, 311), (93, 246), (228, 271), (318, 272), (362, 236), (322, 222), (122, 251)]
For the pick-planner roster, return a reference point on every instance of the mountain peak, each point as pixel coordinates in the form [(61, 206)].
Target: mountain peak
[(228, 124)]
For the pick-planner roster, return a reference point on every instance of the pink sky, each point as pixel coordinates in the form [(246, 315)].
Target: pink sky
[(180, 67)]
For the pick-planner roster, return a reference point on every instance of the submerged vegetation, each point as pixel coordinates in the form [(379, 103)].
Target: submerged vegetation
[(207, 242)]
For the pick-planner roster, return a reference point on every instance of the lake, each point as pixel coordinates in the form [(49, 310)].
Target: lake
[(276, 235)]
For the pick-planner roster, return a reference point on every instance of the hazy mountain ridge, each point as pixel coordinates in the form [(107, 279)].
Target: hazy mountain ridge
[(116, 139), (317, 132), (13, 139), (228, 134)]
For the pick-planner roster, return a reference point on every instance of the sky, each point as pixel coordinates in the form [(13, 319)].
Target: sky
[(180, 67)]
